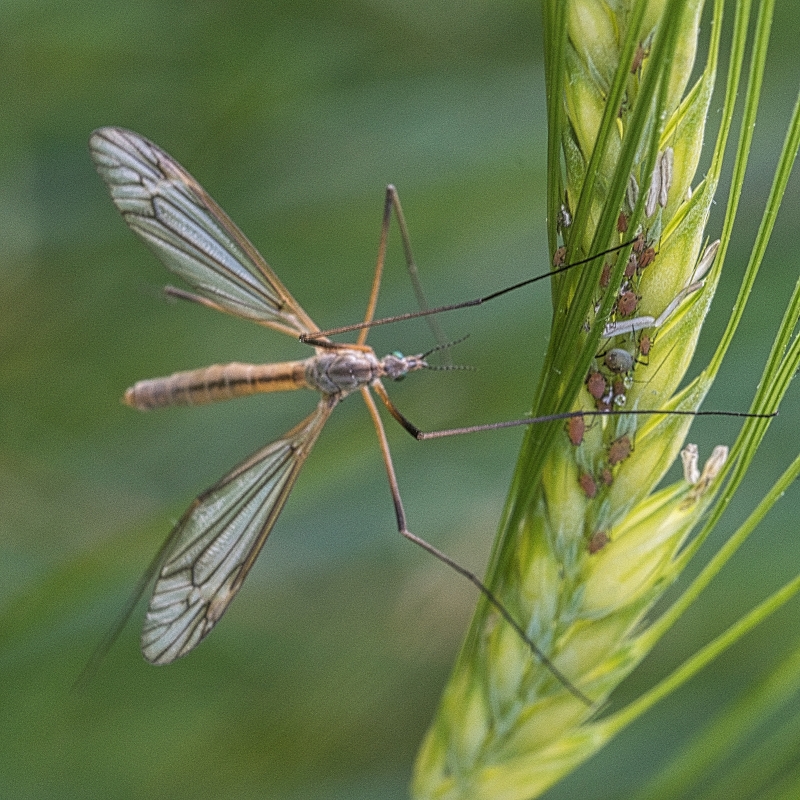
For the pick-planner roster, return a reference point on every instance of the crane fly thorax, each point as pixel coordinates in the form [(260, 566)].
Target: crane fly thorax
[(343, 370)]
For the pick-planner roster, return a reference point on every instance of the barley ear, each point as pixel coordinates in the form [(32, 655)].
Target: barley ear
[(588, 543)]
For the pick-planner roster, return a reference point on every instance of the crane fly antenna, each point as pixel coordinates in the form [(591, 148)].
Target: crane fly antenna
[(445, 346), (446, 367)]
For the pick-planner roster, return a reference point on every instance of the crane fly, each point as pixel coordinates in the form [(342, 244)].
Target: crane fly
[(207, 556), (211, 549)]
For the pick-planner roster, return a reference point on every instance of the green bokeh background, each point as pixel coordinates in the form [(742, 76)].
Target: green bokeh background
[(323, 676)]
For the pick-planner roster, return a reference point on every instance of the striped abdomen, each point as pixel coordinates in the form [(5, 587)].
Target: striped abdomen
[(217, 382)]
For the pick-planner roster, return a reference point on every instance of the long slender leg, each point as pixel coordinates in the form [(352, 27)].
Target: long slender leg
[(392, 201), (373, 323), (445, 559), (421, 435), (393, 410), (379, 261), (413, 272), (514, 423)]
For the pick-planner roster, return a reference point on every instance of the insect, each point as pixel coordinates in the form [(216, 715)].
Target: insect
[(214, 545), (210, 551)]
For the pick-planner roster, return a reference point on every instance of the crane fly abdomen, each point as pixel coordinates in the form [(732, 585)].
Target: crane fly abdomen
[(217, 382)]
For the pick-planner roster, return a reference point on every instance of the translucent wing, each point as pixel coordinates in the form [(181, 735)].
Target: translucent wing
[(190, 233), (210, 551)]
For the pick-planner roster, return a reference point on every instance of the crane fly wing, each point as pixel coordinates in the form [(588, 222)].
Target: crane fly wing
[(190, 233), (210, 551)]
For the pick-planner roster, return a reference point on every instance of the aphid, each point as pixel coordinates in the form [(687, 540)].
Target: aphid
[(605, 276), (618, 360), (597, 542), (647, 257), (619, 450), (638, 57), (588, 485), (576, 427), (627, 303), (644, 345), (596, 385)]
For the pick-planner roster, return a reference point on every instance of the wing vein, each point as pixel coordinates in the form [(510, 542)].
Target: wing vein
[(214, 545), (194, 238)]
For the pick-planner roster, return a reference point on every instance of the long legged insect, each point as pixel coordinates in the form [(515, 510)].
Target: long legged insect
[(210, 551)]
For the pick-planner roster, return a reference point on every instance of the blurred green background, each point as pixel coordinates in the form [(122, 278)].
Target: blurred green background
[(323, 676)]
